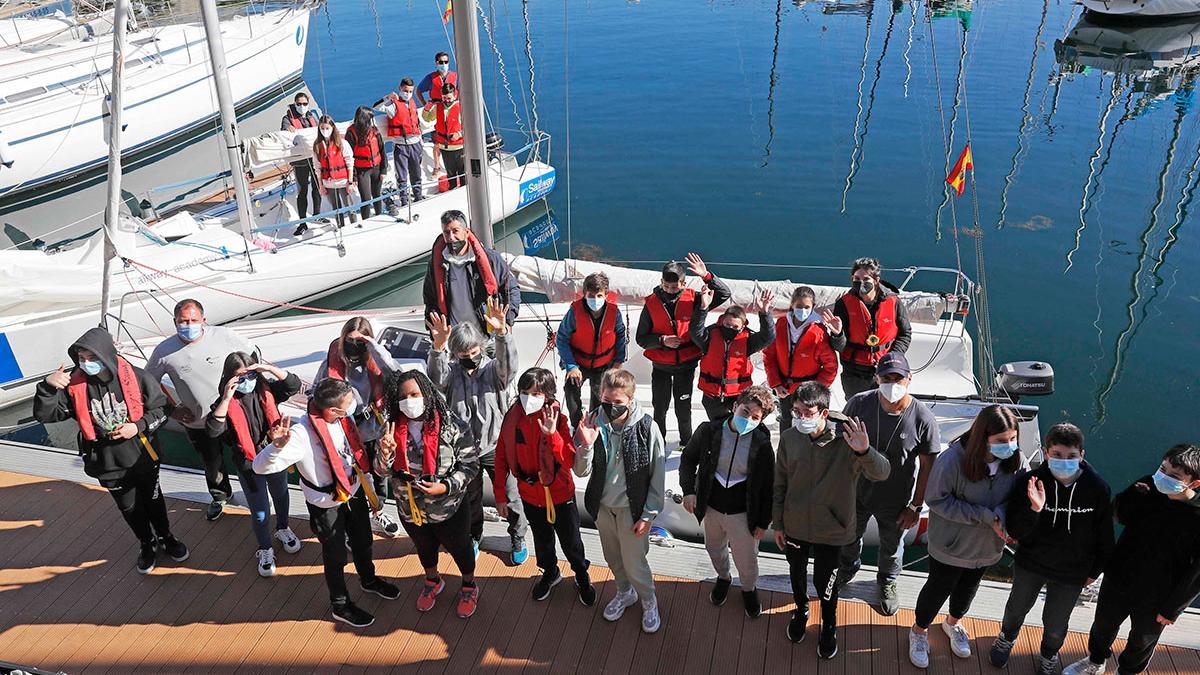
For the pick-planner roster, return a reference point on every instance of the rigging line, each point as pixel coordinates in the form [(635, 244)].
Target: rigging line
[(378, 26), (320, 58), (946, 139), (908, 46), (958, 86), (862, 78), (1026, 118), (856, 166), (503, 72), (1084, 204), (532, 73), (567, 111), (512, 39), (771, 87)]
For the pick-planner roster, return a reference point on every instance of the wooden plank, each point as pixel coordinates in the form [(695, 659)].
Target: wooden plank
[(599, 638), (676, 632), (854, 637), (579, 629), (754, 635), (492, 612), (515, 589), (730, 620), (563, 599), (704, 633)]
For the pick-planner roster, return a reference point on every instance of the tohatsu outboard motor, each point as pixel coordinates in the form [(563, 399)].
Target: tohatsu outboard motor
[(1025, 378)]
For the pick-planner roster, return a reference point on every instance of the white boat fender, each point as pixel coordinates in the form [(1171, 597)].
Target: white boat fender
[(6, 154), (661, 536)]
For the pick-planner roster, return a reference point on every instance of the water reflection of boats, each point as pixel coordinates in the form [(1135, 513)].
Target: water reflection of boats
[(1142, 9), (1156, 58)]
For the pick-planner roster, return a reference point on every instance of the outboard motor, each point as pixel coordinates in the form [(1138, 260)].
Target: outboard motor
[(494, 144), (1025, 378)]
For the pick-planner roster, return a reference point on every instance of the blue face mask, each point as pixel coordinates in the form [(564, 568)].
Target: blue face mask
[(1063, 469), (1168, 485), (1003, 450), (806, 425), (744, 425), (189, 332), (92, 368), (247, 385), (594, 304), (443, 68), (801, 313)]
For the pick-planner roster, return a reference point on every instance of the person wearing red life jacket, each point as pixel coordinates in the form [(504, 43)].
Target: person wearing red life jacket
[(463, 274), (725, 368), (404, 131), (430, 88), (875, 322), (664, 336), (370, 160), (807, 342), (536, 448), (590, 340), (335, 166), (329, 457), (244, 414), (119, 407), (300, 115), (446, 115)]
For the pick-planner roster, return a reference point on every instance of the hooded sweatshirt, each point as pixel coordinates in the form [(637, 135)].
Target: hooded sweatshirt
[(1070, 539), (478, 400), (607, 463), (105, 459), (961, 512)]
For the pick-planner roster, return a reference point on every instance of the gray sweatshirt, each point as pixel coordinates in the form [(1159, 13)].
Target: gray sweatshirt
[(480, 399), (961, 512), (615, 494), (359, 380)]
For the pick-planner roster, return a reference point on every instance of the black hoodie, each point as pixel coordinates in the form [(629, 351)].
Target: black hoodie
[(104, 459), (1071, 538), (1156, 563)]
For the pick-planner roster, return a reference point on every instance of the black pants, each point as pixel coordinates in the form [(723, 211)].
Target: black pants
[(370, 186), (673, 385), (408, 169), (140, 500), (306, 184), (1113, 607), (1056, 613), (211, 454), (785, 412), (717, 406), (947, 581), (574, 393), (337, 199), (333, 526), (566, 527), (452, 534), (855, 383), (456, 169), (825, 562)]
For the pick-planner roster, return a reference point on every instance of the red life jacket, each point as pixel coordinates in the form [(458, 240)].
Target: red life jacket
[(435, 94), (332, 163), (405, 122), (449, 121), (341, 481), (131, 392), (241, 427), (863, 324), (430, 438), (298, 122), (594, 344), (790, 365), (664, 324), (725, 368), (533, 460), (367, 152), (336, 366), (481, 263)]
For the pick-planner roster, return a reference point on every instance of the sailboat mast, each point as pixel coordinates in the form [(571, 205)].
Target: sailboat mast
[(112, 211), (229, 128), (470, 90)]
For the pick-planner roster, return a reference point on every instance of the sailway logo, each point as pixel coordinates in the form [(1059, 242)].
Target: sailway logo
[(536, 188)]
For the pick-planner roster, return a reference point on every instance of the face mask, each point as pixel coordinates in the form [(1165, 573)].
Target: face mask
[(614, 410), (457, 246), (1063, 469), (443, 68), (1002, 450), (352, 409), (893, 391), (405, 95), (302, 109), (806, 425), (470, 362), (743, 425), (532, 403), (802, 313), (1168, 485), (354, 350), (729, 332), (412, 408), (862, 287), (325, 131), (595, 304), (92, 368), (247, 385), (189, 331)]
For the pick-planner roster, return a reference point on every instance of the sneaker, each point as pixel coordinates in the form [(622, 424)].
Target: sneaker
[(384, 589), (587, 592), (827, 643), (651, 621), (300, 230), (176, 549), (383, 524), (266, 561), (550, 579), (889, 598), (291, 543), (797, 626), (354, 615), (147, 556), (616, 607), (214, 511), (844, 577), (1000, 651), (752, 604), (1085, 666), (720, 591), (429, 594), (468, 601), (918, 648), (960, 642), (519, 552), (394, 211), (1047, 666)]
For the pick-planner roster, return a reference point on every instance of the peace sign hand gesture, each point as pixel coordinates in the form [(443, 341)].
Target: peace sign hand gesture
[(855, 433), (387, 443), (439, 330), (549, 421), (281, 432)]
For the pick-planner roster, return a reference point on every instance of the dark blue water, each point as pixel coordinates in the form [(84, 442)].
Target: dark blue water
[(809, 135)]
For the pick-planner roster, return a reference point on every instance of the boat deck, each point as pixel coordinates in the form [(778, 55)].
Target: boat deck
[(71, 600)]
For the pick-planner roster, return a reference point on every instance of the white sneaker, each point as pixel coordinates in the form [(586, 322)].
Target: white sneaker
[(1085, 666), (960, 641), (918, 649), (291, 543), (383, 524), (651, 621), (266, 562), (616, 607)]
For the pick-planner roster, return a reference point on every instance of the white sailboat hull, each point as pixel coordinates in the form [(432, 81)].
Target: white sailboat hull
[(1143, 8)]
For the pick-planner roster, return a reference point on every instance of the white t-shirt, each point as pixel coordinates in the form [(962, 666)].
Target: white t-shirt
[(304, 450), (194, 368)]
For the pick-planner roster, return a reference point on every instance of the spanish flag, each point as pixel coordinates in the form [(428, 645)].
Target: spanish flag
[(958, 175), (449, 10)]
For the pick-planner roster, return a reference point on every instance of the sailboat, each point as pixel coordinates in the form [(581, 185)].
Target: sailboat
[(1141, 9)]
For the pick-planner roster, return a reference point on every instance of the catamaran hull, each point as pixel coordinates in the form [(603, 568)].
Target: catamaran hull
[(1143, 9)]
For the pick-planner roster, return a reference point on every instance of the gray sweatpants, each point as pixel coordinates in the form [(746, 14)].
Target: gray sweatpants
[(625, 552), (726, 532)]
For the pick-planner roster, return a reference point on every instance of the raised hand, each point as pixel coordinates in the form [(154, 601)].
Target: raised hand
[(387, 443), (832, 321), (59, 379), (706, 296), (587, 431), (549, 421), (281, 432), (696, 265), (855, 433), (764, 301), (1037, 494), (439, 330), (275, 371), (497, 316)]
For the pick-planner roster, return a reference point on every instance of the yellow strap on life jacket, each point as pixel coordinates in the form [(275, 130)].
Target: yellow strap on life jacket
[(372, 498), (149, 449), (550, 515), (418, 518)]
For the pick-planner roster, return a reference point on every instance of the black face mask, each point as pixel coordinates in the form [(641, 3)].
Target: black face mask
[(862, 288), (354, 350), (470, 362), (614, 410), (457, 246), (728, 332)]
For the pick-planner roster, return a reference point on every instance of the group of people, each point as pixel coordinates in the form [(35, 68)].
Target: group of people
[(428, 435), (358, 158)]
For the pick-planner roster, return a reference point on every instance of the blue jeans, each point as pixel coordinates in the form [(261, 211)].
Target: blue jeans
[(260, 492)]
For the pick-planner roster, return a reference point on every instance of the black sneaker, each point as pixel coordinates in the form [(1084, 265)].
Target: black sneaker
[(720, 591), (1000, 651), (587, 592), (300, 229), (147, 557), (796, 627), (751, 603), (354, 615), (214, 511), (827, 643), (384, 589), (550, 579), (176, 549), (844, 577)]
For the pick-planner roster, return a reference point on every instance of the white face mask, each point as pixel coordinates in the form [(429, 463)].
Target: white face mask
[(325, 131), (412, 408), (405, 95), (893, 391), (532, 403), (302, 108)]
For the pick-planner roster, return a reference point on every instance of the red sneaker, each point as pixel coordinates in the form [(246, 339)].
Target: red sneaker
[(468, 601), (429, 594)]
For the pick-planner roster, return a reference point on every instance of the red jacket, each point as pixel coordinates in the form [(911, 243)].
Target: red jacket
[(528, 438), (811, 359)]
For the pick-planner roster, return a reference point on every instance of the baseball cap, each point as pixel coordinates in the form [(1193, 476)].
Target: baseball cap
[(892, 362)]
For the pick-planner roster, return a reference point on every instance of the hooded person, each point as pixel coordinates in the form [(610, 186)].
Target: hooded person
[(118, 408), (463, 274)]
